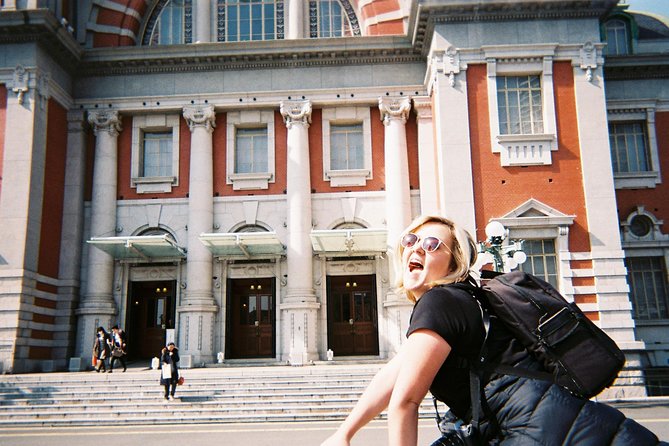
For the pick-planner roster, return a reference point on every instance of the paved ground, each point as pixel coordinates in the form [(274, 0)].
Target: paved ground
[(653, 414)]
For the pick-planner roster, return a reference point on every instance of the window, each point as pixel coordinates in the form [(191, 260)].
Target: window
[(628, 147), (155, 153), (347, 146), (346, 150), (250, 149), (243, 20), (617, 37), (329, 18), (541, 260), (647, 278), (634, 151), (519, 105), (170, 23)]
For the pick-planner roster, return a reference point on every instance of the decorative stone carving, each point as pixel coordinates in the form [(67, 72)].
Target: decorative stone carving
[(394, 109), (422, 105), (296, 112), (105, 121), (451, 64), (20, 82), (588, 59), (198, 116)]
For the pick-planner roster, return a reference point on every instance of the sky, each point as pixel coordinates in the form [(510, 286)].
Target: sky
[(655, 6)]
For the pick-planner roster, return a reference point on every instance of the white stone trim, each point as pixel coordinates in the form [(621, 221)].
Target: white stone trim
[(141, 124), (347, 115), (250, 119), (523, 150), (634, 113)]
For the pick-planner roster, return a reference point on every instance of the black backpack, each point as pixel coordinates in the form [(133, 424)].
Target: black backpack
[(574, 352)]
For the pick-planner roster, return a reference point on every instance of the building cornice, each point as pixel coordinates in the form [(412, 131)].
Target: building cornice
[(641, 66), (432, 12), (248, 55), (41, 26)]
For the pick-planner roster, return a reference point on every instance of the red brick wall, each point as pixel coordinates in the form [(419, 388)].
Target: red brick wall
[(498, 190), (654, 200), (54, 190)]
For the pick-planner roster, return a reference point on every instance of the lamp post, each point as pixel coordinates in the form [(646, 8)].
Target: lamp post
[(502, 255)]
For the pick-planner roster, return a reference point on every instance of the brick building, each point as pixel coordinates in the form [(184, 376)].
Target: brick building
[(234, 174)]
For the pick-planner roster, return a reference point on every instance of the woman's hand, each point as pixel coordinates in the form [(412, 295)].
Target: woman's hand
[(336, 439)]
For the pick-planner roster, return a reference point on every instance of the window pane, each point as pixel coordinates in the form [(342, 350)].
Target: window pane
[(156, 154), (327, 18), (251, 150), (541, 260), (346, 147), (628, 147), (519, 104), (243, 20), (648, 287)]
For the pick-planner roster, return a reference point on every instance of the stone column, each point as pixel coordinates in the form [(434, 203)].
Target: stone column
[(71, 234), (198, 307), (299, 307), (97, 306), (394, 112), (203, 21), (295, 22), (427, 158)]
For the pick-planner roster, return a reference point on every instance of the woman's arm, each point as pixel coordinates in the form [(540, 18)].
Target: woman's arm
[(424, 352), (374, 399)]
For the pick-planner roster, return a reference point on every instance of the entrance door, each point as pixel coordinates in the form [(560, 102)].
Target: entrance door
[(251, 319), (352, 315), (151, 313)]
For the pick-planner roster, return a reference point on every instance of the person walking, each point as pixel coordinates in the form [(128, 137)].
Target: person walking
[(101, 349), (169, 360), (119, 348)]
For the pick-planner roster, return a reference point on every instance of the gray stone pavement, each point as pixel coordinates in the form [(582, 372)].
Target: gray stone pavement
[(653, 413)]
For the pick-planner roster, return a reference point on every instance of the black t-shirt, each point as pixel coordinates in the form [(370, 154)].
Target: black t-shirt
[(454, 314)]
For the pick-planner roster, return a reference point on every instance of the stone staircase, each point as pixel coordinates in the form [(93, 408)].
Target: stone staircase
[(210, 395)]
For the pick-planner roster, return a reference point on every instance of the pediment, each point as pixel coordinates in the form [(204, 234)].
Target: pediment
[(535, 213)]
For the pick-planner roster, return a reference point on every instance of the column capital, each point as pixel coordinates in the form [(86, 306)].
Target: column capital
[(394, 109), (105, 121), (296, 112), (422, 105), (200, 116)]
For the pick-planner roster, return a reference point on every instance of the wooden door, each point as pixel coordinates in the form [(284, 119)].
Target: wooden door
[(251, 319), (352, 315), (151, 313)]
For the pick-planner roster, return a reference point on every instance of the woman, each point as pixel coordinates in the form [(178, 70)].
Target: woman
[(101, 349), (170, 359), (445, 328)]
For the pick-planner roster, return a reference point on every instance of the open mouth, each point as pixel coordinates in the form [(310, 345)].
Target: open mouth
[(415, 265)]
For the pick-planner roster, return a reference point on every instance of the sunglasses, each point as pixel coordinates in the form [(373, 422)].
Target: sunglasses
[(430, 244)]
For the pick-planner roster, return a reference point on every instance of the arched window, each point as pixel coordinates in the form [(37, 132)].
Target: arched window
[(170, 23), (243, 20), (617, 37), (251, 228), (332, 18)]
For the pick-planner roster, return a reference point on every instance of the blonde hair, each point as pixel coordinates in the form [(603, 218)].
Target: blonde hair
[(463, 252)]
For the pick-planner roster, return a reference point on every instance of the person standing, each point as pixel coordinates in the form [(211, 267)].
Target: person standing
[(169, 377), (101, 349), (119, 345)]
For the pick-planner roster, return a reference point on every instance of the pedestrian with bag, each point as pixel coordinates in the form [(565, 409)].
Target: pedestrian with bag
[(445, 338), (169, 378), (101, 349), (119, 348)]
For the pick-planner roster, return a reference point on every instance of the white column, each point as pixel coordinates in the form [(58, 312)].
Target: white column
[(603, 222), (72, 231), (427, 158), (97, 306), (394, 112), (295, 23), (299, 308), (453, 148), (203, 21), (198, 308)]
